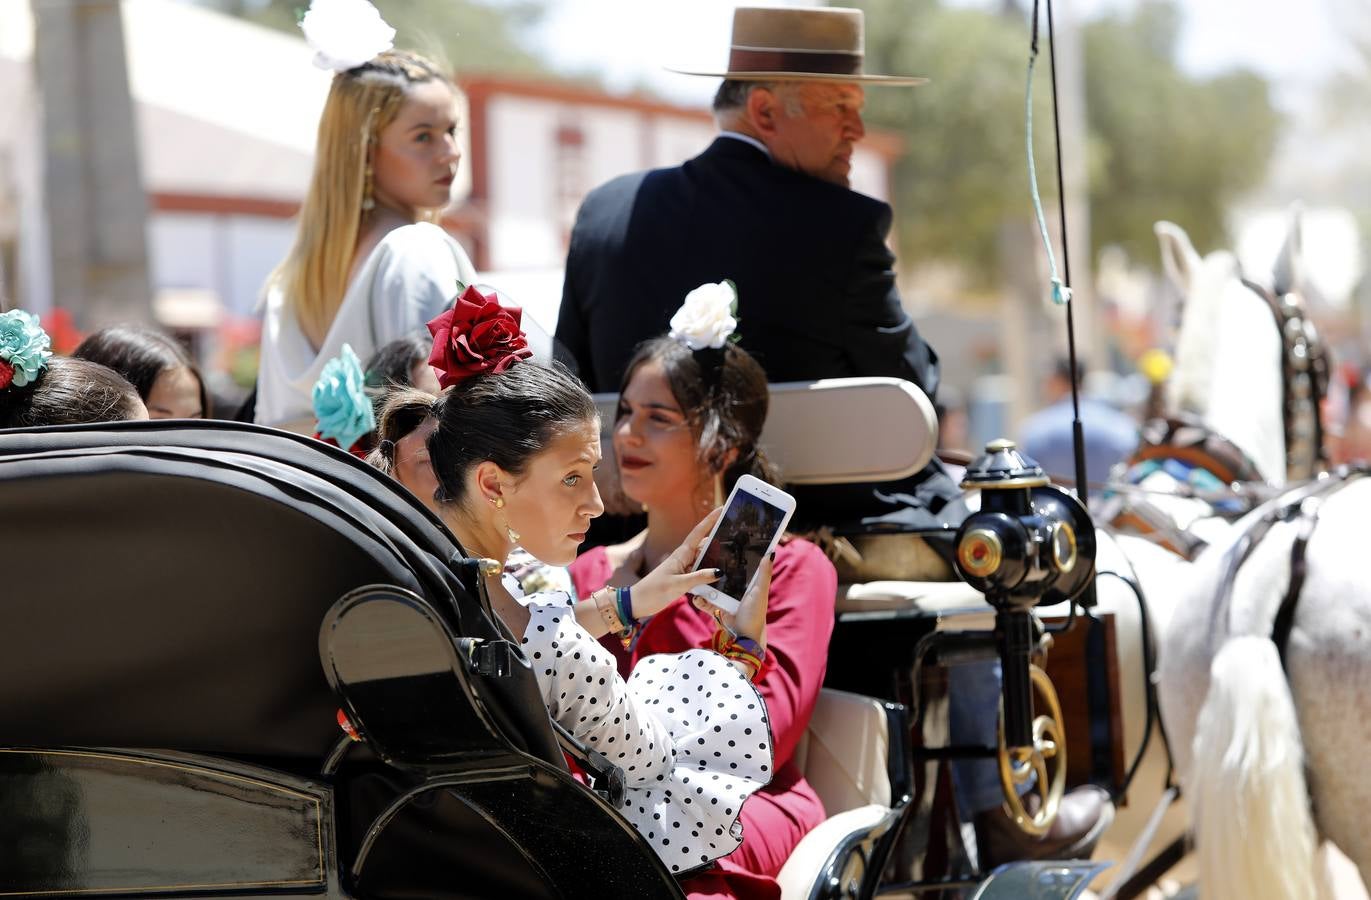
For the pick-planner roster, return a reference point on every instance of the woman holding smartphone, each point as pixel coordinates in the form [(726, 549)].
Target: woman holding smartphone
[(512, 446), (691, 411)]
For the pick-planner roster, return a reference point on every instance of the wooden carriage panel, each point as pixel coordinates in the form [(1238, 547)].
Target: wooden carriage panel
[(1084, 667)]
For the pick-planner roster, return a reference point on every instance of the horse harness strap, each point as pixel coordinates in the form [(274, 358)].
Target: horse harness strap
[(1299, 567), (1299, 564), (1300, 505)]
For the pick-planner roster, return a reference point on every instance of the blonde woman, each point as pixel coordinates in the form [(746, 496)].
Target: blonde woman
[(368, 264)]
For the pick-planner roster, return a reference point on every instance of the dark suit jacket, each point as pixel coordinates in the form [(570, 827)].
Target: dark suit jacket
[(816, 287)]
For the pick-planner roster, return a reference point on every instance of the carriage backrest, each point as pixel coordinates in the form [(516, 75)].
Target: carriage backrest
[(837, 430)]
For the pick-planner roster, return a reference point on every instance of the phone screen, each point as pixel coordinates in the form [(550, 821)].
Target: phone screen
[(742, 537)]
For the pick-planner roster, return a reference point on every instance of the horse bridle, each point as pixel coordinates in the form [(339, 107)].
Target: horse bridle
[(1304, 379)]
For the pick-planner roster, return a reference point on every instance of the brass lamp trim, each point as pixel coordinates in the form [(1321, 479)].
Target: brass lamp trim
[(980, 552)]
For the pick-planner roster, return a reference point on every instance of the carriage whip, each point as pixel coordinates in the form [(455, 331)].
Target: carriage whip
[(1061, 291)]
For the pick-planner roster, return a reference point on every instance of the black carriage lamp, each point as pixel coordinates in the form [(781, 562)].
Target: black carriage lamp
[(1031, 543)]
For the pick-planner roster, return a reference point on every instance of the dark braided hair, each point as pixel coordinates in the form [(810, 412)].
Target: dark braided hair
[(507, 418), (402, 410), (69, 392)]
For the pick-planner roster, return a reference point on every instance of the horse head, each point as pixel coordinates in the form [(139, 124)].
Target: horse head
[(1248, 365)]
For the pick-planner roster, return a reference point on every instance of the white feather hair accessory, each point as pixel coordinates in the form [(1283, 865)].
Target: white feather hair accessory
[(344, 34)]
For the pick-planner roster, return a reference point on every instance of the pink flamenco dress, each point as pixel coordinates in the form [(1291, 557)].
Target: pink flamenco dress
[(800, 618)]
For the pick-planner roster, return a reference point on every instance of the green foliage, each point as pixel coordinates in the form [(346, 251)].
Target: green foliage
[(963, 172), (1161, 144), (1171, 146), (467, 35)]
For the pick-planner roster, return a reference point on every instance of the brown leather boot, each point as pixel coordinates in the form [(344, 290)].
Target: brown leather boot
[(1082, 818)]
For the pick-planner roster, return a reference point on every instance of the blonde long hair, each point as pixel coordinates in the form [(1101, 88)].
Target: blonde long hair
[(361, 103)]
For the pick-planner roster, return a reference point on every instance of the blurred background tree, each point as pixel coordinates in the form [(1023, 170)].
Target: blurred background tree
[(1166, 144), (1342, 120), (1161, 143)]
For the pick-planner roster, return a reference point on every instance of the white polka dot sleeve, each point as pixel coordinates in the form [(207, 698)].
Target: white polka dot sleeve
[(688, 730), (584, 693)]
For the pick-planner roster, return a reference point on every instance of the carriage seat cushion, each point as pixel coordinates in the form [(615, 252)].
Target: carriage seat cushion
[(844, 753), (888, 556), (927, 596)]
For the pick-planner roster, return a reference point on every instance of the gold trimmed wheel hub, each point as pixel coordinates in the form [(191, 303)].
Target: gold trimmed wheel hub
[(1044, 762)]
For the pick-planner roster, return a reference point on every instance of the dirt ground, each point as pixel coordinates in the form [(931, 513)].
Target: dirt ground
[(1343, 878)]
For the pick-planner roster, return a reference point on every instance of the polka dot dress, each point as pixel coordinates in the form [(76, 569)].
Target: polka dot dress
[(688, 730)]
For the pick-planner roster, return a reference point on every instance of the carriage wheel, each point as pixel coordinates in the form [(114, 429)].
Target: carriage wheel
[(1046, 759)]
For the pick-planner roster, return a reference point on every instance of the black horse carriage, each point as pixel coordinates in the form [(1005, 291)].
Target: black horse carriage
[(237, 661)]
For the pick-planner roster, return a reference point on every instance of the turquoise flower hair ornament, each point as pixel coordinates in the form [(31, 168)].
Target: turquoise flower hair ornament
[(24, 348), (341, 405)]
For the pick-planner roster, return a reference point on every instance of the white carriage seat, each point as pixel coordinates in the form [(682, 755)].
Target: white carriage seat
[(837, 430), (845, 756)]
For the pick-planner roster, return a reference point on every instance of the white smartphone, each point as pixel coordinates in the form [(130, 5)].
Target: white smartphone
[(754, 518)]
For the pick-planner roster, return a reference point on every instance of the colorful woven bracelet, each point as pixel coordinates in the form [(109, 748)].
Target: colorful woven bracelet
[(744, 650), (747, 659), (751, 646), (623, 602)]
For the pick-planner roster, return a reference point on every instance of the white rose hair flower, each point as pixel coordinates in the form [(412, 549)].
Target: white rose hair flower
[(344, 34), (706, 318)]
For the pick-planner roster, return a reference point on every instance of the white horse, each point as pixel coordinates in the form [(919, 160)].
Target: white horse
[(1227, 392), (1244, 730), (1247, 724), (1247, 417)]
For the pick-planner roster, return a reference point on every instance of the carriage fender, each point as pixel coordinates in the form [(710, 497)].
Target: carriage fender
[(1041, 879)]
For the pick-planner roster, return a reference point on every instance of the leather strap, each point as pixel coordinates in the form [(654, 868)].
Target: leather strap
[(1299, 566)]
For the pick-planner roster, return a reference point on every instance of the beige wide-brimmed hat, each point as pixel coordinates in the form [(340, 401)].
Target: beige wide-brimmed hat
[(784, 44)]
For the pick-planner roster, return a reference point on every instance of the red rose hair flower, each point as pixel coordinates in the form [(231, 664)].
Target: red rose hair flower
[(476, 336)]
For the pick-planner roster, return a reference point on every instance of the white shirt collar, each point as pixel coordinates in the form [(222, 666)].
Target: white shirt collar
[(746, 139)]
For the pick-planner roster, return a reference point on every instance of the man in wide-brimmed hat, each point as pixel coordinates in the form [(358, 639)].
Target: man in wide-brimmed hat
[(766, 205)]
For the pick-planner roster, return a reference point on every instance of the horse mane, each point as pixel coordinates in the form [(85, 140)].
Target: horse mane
[(1228, 356)]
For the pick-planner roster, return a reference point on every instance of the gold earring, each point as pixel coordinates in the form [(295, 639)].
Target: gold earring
[(368, 201), (513, 535), (499, 502)]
